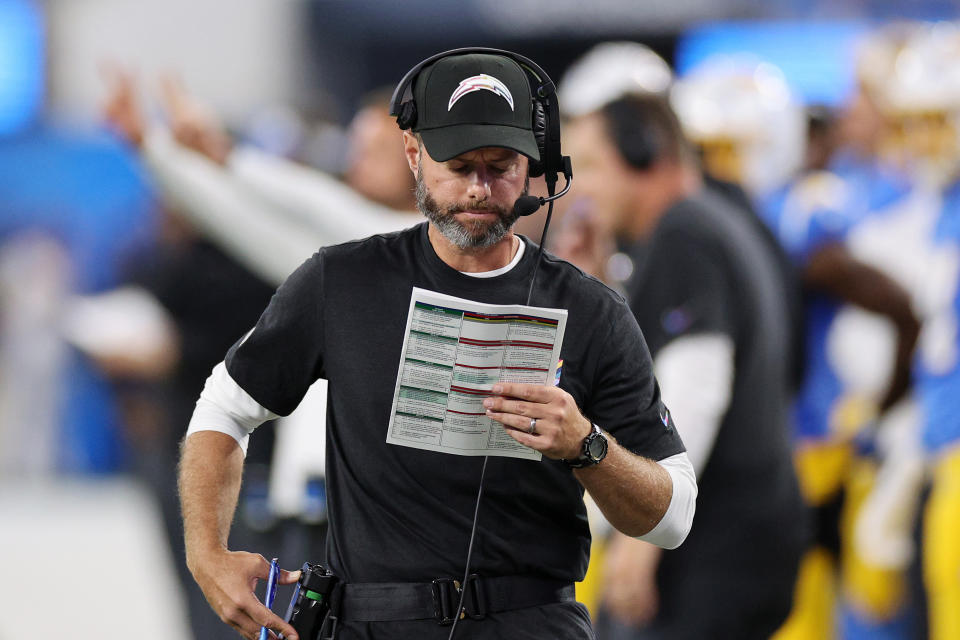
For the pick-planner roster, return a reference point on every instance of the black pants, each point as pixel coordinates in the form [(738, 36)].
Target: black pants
[(560, 621)]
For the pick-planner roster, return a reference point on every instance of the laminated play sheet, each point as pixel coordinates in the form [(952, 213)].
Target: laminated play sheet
[(454, 351)]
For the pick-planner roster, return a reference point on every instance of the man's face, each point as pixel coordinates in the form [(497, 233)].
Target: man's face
[(469, 198), (603, 177), (376, 166)]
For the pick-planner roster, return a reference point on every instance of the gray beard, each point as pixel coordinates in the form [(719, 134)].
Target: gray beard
[(475, 235)]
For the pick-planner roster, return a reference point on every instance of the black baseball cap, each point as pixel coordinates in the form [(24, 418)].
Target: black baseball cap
[(465, 102)]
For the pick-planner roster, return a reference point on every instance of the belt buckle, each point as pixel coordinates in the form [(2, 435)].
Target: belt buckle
[(446, 599), (475, 604), (446, 593)]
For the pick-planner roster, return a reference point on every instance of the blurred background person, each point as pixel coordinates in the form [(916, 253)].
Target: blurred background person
[(605, 73), (898, 159), (271, 212), (707, 295), (746, 125), (588, 237), (920, 102), (938, 382), (612, 70), (721, 103), (206, 300)]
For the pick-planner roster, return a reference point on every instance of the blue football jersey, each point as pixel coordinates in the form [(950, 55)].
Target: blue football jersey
[(938, 364), (815, 210)]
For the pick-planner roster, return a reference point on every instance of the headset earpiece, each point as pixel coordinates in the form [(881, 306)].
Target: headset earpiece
[(638, 148), (551, 158), (632, 133), (540, 134), (407, 118)]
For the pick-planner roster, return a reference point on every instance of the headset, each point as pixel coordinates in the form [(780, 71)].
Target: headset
[(546, 120), (546, 131), (644, 130), (633, 131)]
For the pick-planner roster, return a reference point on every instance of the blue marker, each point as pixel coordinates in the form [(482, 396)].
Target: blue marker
[(271, 593)]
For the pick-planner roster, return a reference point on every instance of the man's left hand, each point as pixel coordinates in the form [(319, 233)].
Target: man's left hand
[(559, 429)]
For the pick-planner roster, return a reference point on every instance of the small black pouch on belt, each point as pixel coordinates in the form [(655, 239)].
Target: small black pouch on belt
[(315, 605)]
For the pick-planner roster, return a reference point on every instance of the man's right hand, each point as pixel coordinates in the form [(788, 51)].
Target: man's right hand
[(194, 124), (582, 240), (228, 580), (121, 109)]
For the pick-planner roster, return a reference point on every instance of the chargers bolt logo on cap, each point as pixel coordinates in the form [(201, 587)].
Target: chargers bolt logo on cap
[(477, 83)]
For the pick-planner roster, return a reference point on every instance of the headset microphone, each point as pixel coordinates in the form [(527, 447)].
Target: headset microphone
[(527, 205)]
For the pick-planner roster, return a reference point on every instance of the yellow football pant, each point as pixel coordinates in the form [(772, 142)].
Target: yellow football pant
[(877, 594), (590, 590), (821, 470), (813, 599), (941, 549)]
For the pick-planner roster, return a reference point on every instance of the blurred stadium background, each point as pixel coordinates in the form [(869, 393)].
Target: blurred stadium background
[(96, 377)]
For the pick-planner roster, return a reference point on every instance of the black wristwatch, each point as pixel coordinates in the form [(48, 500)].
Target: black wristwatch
[(594, 450)]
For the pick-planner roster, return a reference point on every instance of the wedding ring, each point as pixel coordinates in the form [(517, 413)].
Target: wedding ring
[(532, 429)]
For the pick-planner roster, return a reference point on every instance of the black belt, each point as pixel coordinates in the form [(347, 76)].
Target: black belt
[(383, 601)]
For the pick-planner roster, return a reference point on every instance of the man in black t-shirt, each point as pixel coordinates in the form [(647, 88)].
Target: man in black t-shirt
[(708, 297), (400, 518)]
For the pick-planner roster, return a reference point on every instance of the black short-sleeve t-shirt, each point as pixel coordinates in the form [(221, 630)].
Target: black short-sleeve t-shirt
[(707, 271), (402, 514)]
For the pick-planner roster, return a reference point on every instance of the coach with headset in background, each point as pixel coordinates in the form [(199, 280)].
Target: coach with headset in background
[(478, 123), (706, 293)]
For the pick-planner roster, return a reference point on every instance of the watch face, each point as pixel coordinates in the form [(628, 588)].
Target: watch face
[(597, 448)]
